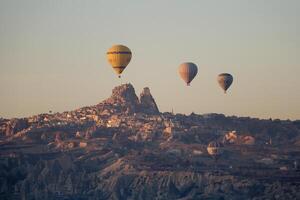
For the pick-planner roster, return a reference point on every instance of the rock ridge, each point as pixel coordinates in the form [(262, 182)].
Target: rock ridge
[(125, 96)]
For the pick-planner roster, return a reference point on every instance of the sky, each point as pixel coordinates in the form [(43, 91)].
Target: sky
[(53, 54)]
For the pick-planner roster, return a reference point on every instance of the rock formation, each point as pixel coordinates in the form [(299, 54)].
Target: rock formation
[(124, 148), (16, 125), (147, 102), (125, 96)]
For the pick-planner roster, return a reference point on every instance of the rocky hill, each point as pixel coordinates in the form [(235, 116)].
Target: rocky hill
[(124, 148)]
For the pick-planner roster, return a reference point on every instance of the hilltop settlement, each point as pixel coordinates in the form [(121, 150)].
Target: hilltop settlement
[(125, 148)]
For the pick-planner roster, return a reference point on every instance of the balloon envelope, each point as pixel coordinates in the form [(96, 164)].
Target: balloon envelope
[(119, 57), (225, 80), (188, 71)]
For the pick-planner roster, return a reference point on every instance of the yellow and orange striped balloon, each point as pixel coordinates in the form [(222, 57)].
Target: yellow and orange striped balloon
[(119, 57)]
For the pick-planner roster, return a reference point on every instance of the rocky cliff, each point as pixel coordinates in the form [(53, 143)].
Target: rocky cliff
[(147, 102), (125, 96), (16, 125)]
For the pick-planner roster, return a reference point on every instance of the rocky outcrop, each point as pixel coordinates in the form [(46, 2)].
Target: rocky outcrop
[(16, 125), (232, 137), (124, 96), (147, 102)]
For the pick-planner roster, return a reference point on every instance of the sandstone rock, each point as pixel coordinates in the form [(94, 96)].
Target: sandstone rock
[(248, 140), (16, 125), (82, 144), (147, 102), (231, 137), (124, 99), (124, 96)]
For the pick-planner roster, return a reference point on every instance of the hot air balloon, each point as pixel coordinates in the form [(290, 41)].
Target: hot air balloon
[(188, 71), (225, 80), (215, 148), (119, 57)]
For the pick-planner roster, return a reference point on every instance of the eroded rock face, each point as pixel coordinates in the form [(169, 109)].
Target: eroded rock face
[(16, 125), (147, 102), (124, 96), (64, 178)]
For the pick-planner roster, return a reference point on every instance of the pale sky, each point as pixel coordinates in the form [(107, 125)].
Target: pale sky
[(53, 54)]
